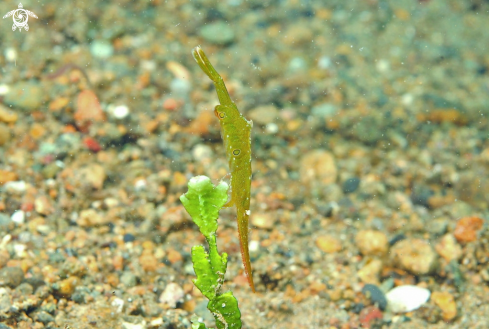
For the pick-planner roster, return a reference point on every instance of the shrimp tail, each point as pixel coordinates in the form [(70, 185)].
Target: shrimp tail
[(243, 219)]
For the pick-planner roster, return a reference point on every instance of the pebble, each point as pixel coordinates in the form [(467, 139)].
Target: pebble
[(128, 237), (325, 62), (67, 286), (11, 276), (118, 304), (148, 261), (88, 108), (415, 255), (351, 185), (101, 49), (17, 187), (406, 298), (170, 104), (324, 110), (467, 228), (438, 226), (25, 95), (129, 325), (89, 218), (43, 205), (44, 317), (448, 248), (18, 217), (446, 302), (178, 70), (369, 316), (296, 65), (375, 295), (10, 54), (119, 111), (4, 134), (7, 178), (172, 295), (128, 279), (371, 242), (264, 115), (4, 254), (180, 87), (219, 33), (263, 220), (5, 300), (370, 272), (4, 89), (272, 128), (7, 116), (93, 174), (318, 166), (328, 244), (202, 152)]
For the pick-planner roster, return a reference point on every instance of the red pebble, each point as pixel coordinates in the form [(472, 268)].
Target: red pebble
[(27, 206), (92, 144), (369, 315)]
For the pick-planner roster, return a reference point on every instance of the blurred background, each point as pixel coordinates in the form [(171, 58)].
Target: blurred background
[(370, 161)]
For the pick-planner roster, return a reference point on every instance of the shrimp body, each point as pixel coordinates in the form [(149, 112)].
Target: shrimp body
[(236, 134)]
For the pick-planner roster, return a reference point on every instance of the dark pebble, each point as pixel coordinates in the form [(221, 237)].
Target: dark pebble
[(375, 295), (421, 194), (351, 185), (396, 239), (80, 294), (128, 237), (357, 308), (56, 257)]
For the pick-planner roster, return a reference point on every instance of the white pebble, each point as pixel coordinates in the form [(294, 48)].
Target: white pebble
[(120, 112), (118, 304), (172, 295), (101, 49), (18, 217), (16, 187), (407, 298), (201, 152), (10, 54), (4, 89), (20, 250), (383, 66), (140, 184), (148, 65), (324, 62), (254, 245), (407, 99), (272, 128)]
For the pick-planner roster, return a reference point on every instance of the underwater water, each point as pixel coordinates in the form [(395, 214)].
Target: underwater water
[(369, 148)]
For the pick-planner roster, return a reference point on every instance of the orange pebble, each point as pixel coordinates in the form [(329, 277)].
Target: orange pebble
[(170, 104), (88, 108), (466, 229), (118, 263), (174, 256)]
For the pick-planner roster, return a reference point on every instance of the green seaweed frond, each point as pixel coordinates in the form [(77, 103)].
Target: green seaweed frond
[(203, 201)]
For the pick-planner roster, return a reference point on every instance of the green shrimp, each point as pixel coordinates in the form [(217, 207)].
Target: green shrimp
[(236, 134)]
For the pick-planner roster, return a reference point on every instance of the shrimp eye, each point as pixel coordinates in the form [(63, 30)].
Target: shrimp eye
[(236, 152), (221, 115)]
